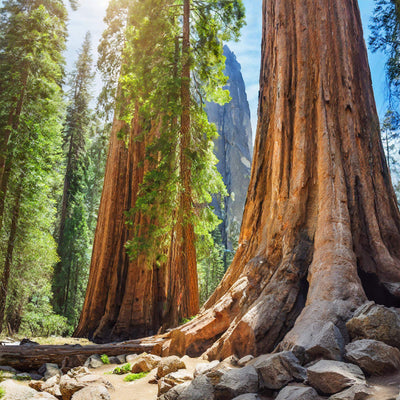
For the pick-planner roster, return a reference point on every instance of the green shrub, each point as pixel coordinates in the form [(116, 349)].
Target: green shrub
[(2, 393), (105, 359), (135, 377), (124, 369)]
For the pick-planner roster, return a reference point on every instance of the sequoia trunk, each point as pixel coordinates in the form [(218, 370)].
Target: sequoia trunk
[(122, 295), (320, 232)]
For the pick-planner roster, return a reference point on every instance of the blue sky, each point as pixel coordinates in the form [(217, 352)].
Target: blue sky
[(91, 12)]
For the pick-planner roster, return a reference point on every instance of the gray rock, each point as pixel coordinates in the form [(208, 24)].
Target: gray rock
[(203, 368), (231, 361), (97, 392), (175, 392), (277, 370), (122, 359), (114, 360), (35, 376), (168, 365), (23, 376), (233, 149), (248, 396), (173, 379), (200, 388), (297, 392), (373, 321), (6, 368), (373, 357), (93, 362), (16, 391), (244, 360), (331, 377), (356, 392), (49, 370), (320, 340), (237, 381)]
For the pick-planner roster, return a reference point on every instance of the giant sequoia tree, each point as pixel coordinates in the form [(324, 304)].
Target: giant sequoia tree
[(160, 176), (321, 227)]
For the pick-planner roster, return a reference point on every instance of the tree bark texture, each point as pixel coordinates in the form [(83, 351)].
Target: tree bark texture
[(122, 296), (9, 253), (183, 292), (320, 232)]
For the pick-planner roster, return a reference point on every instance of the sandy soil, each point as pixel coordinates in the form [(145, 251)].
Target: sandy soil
[(140, 389)]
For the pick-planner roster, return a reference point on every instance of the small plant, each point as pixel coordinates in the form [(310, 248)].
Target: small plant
[(135, 377), (105, 359), (2, 393), (124, 369), (184, 321)]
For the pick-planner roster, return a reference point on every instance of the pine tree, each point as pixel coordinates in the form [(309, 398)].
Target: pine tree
[(32, 39), (71, 272)]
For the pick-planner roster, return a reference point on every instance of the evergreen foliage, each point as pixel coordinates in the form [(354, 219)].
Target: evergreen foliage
[(149, 88), (84, 150), (385, 36), (32, 39)]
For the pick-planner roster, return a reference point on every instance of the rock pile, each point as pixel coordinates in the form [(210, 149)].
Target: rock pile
[(328, 368)]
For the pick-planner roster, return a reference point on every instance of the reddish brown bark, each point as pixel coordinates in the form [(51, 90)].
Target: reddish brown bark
[(321, 227), (183, 293), (123, 298)]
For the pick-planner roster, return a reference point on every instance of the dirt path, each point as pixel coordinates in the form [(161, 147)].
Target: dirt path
[(140, 389)]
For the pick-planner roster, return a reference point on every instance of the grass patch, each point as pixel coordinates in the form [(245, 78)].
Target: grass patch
[(135, 377), (2, 393), (105, 359), (123, 369)]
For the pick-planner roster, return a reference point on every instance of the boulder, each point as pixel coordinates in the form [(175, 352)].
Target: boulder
[(6, 368), (50, 386), (97, 392), (94, 361), (130, 358), (200, 388), (168, 365), (49, 370), (114, 360), (277, 370), (235, 382), (16, 391), (164, 385), (373, 357), (175, 392), (72, 383), (203, 368), (297, 392), (23, 376), (231, 361), (356, 392), (320, 340), (121, 359), (143, 363), (35, 376), (173, 379), (248, 396), (44, 396), (330, 377), (374, 321), (244, 360)]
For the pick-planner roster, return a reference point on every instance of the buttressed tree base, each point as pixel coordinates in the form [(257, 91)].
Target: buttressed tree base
[(320, 232)]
